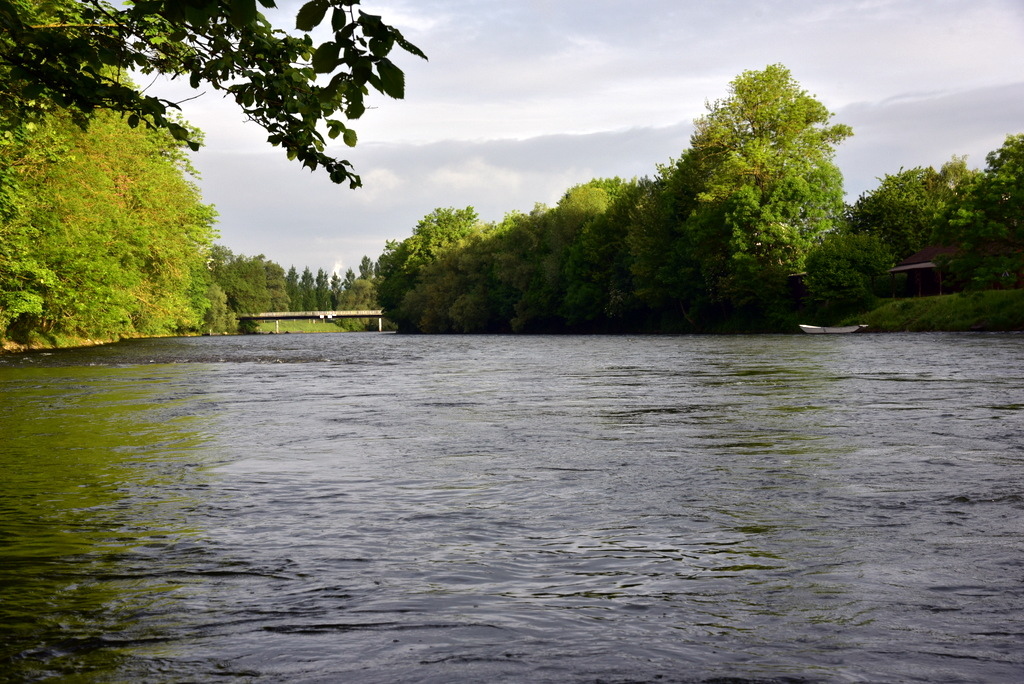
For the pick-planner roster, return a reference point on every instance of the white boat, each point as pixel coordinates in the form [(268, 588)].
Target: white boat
[(836, 330)]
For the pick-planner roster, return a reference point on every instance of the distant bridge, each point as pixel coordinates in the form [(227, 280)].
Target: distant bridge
[(306, 315)]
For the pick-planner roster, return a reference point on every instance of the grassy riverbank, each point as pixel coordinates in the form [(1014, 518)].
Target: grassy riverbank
[(991, 310)]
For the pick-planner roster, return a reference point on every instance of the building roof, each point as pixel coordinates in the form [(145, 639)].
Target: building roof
[(923, 259)]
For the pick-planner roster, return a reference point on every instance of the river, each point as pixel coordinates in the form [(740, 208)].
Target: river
[(389, 508)]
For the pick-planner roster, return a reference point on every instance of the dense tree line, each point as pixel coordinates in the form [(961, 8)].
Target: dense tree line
[(710, 239), (746, 227), (102, 233), (241, 285)]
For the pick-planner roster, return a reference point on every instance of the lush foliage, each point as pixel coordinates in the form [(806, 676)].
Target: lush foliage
[(844, 268), (403, 264), (754, 192), (103, 234), (906, 208), (73, 54), (745, 231), (712, 238), (988, 226)]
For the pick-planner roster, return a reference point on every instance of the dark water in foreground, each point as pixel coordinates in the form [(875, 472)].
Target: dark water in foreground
[(382, 508)]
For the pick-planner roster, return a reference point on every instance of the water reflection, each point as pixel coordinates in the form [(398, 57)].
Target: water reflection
[(99, 478)]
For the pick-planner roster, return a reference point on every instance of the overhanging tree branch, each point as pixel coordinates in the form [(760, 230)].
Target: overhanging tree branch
[(74, 53)]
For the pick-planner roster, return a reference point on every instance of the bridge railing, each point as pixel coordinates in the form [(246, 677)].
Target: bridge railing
[(297, 315), (282, 315)]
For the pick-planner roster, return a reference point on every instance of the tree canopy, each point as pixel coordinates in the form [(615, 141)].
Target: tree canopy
[(988, 225), (741, 207), (77, 54), (712, 237), (906, 207), (104, 234)]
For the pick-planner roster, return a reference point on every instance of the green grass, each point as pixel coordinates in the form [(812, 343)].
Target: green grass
[(989, 310)]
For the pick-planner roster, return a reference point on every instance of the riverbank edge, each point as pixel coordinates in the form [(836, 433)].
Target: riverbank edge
[(62, 342), (981, 311), (11, 347), (985, 311)]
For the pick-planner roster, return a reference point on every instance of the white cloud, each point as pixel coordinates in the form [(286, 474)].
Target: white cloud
[(474, 174), (379, 185)]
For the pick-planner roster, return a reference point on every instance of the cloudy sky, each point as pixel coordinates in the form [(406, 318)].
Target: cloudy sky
[(522, 99)]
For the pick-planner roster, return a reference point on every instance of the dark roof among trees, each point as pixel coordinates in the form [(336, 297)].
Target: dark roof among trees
[(922, 259)]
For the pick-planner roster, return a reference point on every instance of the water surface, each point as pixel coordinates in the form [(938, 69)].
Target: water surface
[(381, 508)]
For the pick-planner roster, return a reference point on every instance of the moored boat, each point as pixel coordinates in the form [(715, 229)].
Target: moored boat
[(831, 330)]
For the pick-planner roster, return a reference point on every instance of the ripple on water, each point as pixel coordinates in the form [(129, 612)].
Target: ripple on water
[(382, 508)]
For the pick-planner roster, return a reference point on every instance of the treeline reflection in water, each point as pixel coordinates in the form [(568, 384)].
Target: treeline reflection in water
[(381, 508)]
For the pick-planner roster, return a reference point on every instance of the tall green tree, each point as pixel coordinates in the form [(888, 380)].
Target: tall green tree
[(336, 289), (251, 284), (760, 187), (322, 290), (599, 286), (291, 280), (307, 291), (218, 317), (350, 279), (367, 268), (277, 286), (988, 225), (547, 272), (74, 54)]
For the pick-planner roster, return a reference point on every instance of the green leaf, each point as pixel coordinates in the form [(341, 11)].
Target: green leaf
[(380, 47), (392, 80), (243, 13), (177, 131), (325, 59), (311, 14), (339, 20), (349, 137), (355, 109), (407, 46)]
